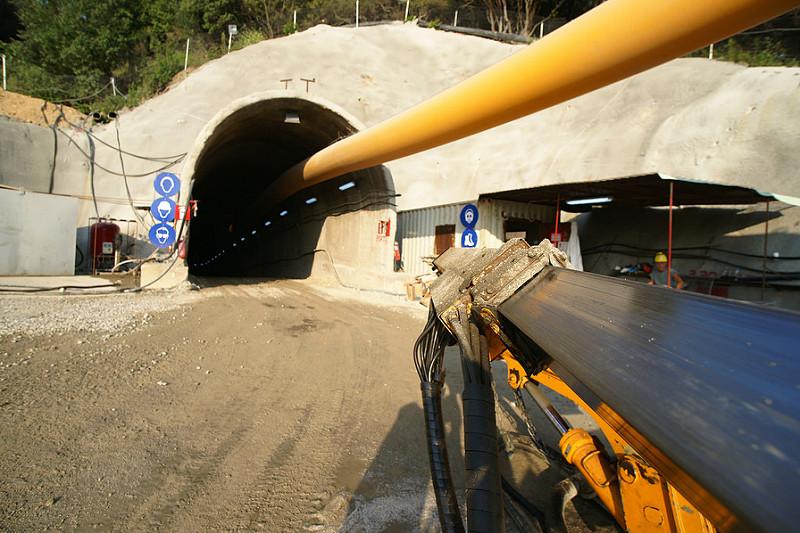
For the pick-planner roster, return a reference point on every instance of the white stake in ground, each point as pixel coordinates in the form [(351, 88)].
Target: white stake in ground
[(186, 59)]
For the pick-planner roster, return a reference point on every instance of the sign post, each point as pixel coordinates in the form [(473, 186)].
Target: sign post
[(469, 217), (162, 235), (469, 239), (231, 32)]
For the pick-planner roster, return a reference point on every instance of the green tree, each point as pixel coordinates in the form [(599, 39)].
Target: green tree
[(160, 17), (523, 16), (78, 36)]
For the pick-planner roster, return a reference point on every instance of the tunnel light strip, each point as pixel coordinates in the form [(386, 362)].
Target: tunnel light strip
[(268, 223), (347, 185), (582, 201)]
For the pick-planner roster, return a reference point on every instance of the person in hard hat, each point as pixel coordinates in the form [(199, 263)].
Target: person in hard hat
[(659, 274)]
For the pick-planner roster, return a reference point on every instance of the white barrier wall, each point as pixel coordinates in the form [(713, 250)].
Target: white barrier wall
[(37, 234)]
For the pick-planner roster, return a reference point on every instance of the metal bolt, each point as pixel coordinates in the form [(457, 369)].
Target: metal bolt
[(627, 471)]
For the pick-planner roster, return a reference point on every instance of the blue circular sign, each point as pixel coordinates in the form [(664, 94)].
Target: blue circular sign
[(167, 184), (163, 209), (162, 235), (469, 239), (469, 216)]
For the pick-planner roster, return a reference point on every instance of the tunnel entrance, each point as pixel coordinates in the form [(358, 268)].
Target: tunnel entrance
[(330, 226)]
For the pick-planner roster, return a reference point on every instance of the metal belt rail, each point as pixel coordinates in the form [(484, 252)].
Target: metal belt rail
[(699, 396)]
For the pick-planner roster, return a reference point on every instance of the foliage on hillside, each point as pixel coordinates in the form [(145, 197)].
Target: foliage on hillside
[(69, 50)]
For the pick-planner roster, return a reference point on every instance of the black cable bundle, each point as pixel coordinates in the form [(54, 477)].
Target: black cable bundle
[(484, 483), (428, 355)]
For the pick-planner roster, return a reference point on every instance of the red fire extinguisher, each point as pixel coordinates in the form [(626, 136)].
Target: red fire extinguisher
[(182, 249), (396, 252)]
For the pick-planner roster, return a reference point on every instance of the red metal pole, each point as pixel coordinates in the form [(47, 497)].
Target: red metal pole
[(669, 243)]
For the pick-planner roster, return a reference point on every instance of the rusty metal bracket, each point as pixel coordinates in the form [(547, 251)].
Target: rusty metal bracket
[(478, 281), (515, 266), (490, 275)]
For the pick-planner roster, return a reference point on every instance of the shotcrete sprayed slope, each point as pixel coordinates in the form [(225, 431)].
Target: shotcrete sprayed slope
[(693, 118)]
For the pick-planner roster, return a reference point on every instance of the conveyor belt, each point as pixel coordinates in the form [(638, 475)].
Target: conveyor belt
[(713, 384)]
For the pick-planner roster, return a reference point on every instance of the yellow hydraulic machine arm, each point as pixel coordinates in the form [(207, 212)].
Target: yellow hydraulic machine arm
[(697, 396), (650, 502), (613, 41)]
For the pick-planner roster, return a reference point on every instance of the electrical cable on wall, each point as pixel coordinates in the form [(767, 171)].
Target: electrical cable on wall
[(115, 173), (125, 178), (173, 159), (91, 167), (55, 142), (104, 199), (600, 248), (82, 128), (637, 252), (383, 200)]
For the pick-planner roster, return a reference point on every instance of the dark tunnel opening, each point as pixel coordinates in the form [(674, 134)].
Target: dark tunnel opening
[(246, 151)]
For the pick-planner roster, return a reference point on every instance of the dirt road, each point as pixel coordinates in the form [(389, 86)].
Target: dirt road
[(274, 406)]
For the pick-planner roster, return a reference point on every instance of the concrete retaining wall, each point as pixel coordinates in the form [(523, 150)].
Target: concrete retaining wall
[(37, 234)]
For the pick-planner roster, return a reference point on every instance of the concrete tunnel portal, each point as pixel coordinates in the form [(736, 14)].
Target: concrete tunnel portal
[(240, 153)]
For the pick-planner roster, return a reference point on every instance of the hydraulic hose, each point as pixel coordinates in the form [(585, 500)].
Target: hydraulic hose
[(446, 501), (481, 461), (428, 359)]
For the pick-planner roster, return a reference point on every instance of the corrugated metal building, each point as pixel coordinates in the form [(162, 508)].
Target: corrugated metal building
[(425, 233)]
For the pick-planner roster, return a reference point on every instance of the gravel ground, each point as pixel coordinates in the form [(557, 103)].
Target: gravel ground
[(52, 313), (256, 406)]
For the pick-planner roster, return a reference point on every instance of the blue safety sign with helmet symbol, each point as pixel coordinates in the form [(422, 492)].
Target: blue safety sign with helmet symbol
[(163, 209), (162, 235), (469, 217)]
